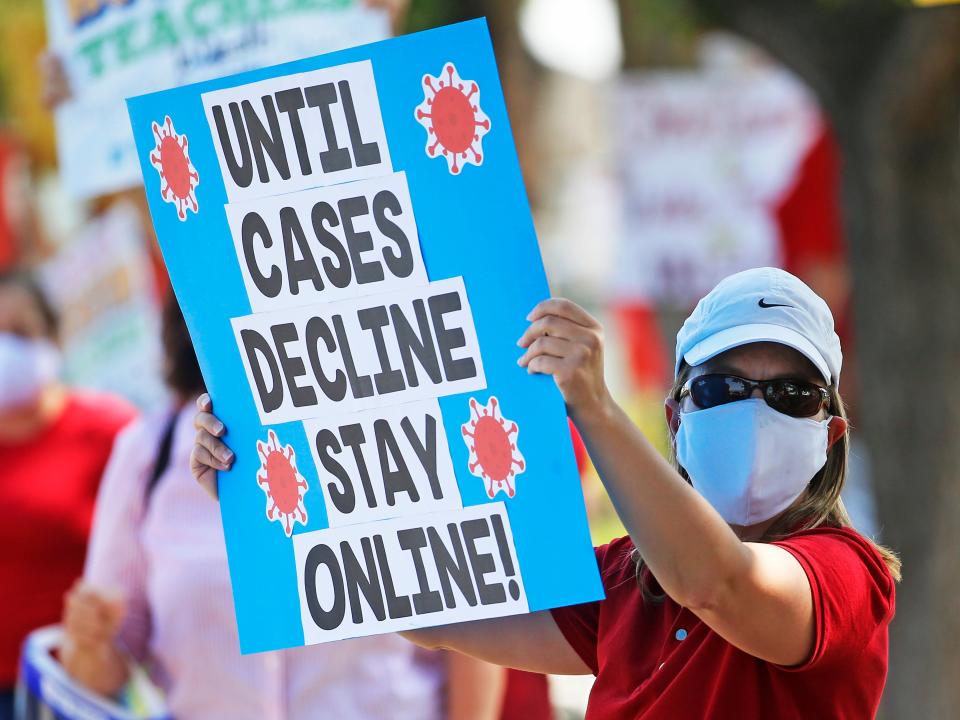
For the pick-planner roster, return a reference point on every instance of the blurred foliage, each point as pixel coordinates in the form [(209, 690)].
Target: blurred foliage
[(22, 39), (426, 14), (658, 32)]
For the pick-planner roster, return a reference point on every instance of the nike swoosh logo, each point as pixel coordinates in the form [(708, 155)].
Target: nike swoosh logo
[(765, 304)]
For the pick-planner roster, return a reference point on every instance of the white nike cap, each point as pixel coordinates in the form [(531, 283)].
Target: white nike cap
[(761, 305)]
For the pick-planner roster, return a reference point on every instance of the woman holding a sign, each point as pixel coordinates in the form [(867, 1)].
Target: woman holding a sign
[(741, 589)]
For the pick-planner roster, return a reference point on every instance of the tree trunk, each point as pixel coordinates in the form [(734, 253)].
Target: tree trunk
[(889, 79), (901, 185)]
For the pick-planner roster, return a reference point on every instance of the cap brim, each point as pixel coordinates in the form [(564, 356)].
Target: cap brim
[(746, 334)]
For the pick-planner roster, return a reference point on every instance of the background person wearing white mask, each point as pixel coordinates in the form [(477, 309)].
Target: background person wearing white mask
[(54, 444), (741, 590)]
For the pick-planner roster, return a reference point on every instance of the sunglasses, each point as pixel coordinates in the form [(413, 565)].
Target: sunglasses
[(796, 398)]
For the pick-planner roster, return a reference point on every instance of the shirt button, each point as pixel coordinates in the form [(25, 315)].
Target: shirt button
[(681, 634)]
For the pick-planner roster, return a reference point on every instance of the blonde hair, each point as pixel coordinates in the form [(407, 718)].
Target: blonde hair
[(819, 506)]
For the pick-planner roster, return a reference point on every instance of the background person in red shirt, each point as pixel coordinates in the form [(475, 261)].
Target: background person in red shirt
[(54, 444), (741, 591)]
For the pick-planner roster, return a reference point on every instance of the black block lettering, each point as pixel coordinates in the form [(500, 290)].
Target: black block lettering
[(263, 140), (316, 331), (394, 481), (325, 619), (449, 339), (341, 273), (352, 436), (252, 226), (363, 583), (253, 343), (295, 243), (411, 344), (427, 600), (400, 261), (359, 242), (374, 319), (344, 498), (334, 158), (426, 451), (364, 153), (242, 171), (291, 102), (452, 566), (292, 366), (482, 563), (397, 607), (360, 385)]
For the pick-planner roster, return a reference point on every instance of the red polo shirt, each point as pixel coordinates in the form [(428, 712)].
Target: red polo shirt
[(48, 485), (660, 661)]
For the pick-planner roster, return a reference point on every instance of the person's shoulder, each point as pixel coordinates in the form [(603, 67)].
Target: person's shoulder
[(615, 559), (846, 551), (832, 538), (100, 413)]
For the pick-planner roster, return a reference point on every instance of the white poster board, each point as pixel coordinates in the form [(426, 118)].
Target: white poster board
[(707, 155), (103, 285), (114, 49)]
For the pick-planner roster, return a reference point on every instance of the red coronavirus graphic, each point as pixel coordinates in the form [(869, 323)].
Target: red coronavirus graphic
[(451, 113), (492, 440), (283, 485), (177, 173)]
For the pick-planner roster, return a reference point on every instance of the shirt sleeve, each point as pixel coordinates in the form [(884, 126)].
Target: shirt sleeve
[(852, 591), (580, 623), (115, 558)]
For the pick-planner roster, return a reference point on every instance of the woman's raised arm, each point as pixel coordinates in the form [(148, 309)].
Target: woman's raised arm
[(756, 596), (530, 642)]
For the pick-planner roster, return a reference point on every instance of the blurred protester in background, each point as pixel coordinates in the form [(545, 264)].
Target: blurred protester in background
[(54, 444), (156, 590)]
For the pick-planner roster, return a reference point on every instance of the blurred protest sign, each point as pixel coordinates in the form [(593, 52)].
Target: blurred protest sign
[(102, 283), (113, 49), (707, 155), (350, 241)]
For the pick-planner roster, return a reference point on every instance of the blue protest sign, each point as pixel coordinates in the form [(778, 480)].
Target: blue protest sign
[(350, 241)]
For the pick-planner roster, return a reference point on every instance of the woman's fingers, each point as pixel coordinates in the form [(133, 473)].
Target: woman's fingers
[(566, 342), (221, 455), (204, 403), (204, 470), (563, 308), (546, 365), (209, 423), (209, 453), (546, 345), (554, 326)]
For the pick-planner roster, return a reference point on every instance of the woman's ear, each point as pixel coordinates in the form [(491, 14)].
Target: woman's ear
[(836, 429), (671, 408)]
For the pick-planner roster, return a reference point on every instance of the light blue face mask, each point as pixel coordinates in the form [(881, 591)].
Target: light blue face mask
[(748, 460)]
